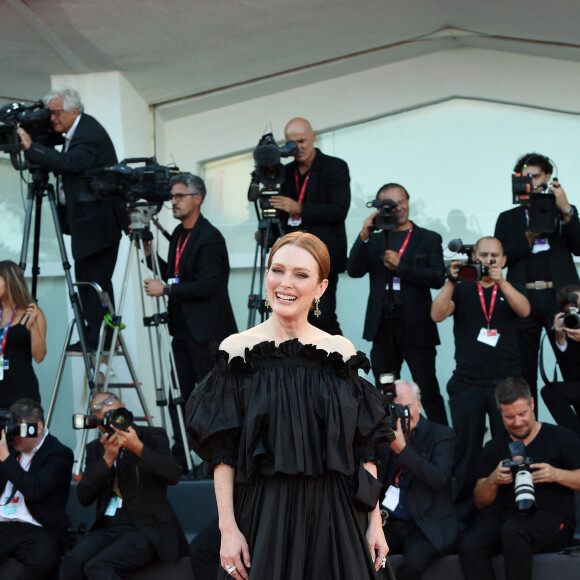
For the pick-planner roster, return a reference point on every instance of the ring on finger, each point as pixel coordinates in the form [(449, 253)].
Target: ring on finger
[(383, 560)]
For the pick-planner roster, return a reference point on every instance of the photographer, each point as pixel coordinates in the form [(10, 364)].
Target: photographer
[(94, 224), (555, 471), (485, 315), (127, 472), (416, 472), (543, 262), (563, 398), (196, 275), (415, 259), (35, 476), (316, 196)]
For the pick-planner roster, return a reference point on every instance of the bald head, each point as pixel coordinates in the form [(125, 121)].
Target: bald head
[(300, 131)]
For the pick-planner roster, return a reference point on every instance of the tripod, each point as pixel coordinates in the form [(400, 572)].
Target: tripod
[(37, 189), (269, 230), (160, 351)]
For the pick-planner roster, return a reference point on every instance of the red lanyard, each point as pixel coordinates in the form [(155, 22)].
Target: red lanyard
[(491, 304), (303, 188), (5, 331), (405, 242), (179, 250)]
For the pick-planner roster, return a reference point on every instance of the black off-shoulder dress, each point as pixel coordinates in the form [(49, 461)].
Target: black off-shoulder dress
[(297, 423)]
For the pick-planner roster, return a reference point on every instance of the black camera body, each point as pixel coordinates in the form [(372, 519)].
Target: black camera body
[(472, 270), (10, 425), (519, 464), (269, 174), (572, 317), (34, 119), (149, 182), (542, 205), (119, 418), (394, 410), (386, 219)]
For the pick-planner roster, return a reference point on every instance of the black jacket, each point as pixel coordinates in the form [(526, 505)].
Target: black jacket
[(421, 268), (93, 223), (46, 484), (510, 230), (325, 206), (203, 282), (428, 463), (143, 484)]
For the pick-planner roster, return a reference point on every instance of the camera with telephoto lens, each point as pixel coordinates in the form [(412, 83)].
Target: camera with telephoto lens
[(119, 418), (269, 174), (34, 119), (572, 317), (10, 425), (542, 210), (394, 410), (386, 219), (148, 182), (472, 270), (519, 464)]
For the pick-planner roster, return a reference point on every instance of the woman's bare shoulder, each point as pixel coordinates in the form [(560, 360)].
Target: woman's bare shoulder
[(236, 344), (338, 343)]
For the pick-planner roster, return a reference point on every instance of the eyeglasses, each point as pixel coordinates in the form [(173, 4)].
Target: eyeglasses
[(108, 402), (56, 112), (180, 196)]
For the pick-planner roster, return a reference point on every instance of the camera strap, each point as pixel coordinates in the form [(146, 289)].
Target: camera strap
[(405, 242), (295, 219), (491, 304)]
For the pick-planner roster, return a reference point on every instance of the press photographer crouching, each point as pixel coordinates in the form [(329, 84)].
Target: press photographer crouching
[(563, 398), (505, 527), (416, 473), (127, 472), (35, 476)]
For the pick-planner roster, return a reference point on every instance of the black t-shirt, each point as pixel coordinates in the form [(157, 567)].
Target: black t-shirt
[(557, 446), (476, 361)]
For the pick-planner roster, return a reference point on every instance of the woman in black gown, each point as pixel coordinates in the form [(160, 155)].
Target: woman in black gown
[(22, 337), (288, 425)]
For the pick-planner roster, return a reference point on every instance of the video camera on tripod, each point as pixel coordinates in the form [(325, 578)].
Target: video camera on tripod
[(473, 269), (268, 175), (149, 182)]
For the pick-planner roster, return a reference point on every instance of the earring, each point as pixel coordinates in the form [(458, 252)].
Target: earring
[(317, 312), (266, 303)]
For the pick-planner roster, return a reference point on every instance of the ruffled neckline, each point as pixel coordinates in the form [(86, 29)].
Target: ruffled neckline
[(291, 348)]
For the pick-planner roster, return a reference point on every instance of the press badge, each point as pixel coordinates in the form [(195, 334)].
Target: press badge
[(541, 245), (115, 503), (396, 284), (10, 508), (488, 336), (173, 281), (391, 500), (294, 220)]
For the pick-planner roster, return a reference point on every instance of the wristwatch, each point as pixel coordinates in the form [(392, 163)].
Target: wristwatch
[(569, 212), (167, 290)]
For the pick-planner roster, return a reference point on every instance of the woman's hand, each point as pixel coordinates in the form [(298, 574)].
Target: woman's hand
[(233, 544), (36, 324)]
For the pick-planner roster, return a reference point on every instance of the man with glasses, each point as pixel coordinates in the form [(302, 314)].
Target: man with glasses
[(127, 473), (35, 476), (196, 281), (94, 224)]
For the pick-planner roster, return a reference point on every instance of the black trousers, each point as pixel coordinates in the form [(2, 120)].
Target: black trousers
[(469, 405), (193, 361), (97, 268), (108, 553), (563, 401), (405, 537), (37, 548), (327, 320), (518, 538), (543, 303), (421, 362)]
